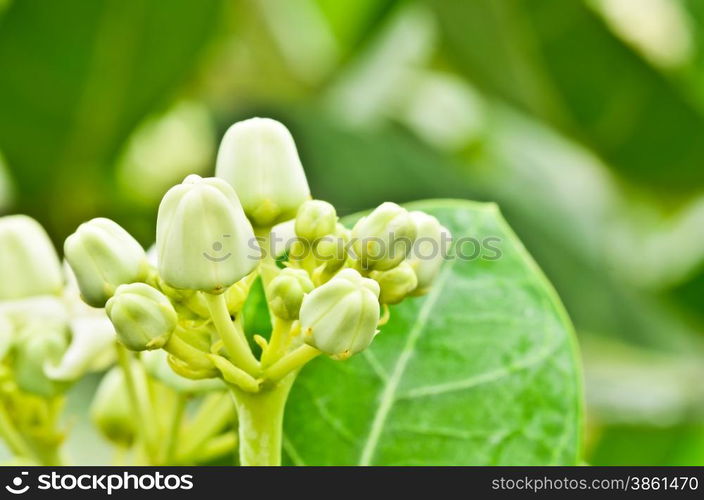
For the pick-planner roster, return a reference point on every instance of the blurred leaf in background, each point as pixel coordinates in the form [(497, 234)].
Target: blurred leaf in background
[(77, 78), (582, 119)]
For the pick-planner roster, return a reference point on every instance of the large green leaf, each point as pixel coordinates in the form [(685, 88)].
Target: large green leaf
[(483, 370), (77, 76), (559, 61)]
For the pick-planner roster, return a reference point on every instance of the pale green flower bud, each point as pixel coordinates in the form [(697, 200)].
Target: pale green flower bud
[(29, 265), (395, 284), (286, 292), (340, 317), (104, 256), (383, 239), (331, 249), (203, 238), (40, 344), (429, 250), (259, 159), (111, 410), (143, 317), (281, 237), (315, 219)]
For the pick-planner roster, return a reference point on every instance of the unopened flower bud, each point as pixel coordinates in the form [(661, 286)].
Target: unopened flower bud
[(395, 284), (383, 238), (111, 410), (29, 265), (340, 317), (259, 159), (286, 292), (429, 249), (331, 249), (203, 238), (315, 219), (143, 317), (104, 256)]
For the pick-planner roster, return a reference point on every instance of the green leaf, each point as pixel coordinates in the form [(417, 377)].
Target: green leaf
[(78, 76), (559, 61), (481, 371)]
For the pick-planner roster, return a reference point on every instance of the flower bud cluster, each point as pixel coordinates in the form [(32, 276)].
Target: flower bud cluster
[(324, 293)]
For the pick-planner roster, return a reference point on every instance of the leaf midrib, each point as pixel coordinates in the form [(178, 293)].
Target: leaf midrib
[(388, 396)]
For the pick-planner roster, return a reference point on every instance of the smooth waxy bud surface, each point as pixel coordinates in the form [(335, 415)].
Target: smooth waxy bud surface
[(29, 265), (383, 239), (104, 256), (340, 317), (143, 317), (315, 219), (204, 240), (429, 250), (286, 292), (395, 284), (258, 157)]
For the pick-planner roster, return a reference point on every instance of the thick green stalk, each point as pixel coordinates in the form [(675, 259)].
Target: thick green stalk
[(261, 417)]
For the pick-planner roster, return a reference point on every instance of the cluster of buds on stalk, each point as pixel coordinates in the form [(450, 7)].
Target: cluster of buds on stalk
[(48, 339), (327, 291), (326, 294)]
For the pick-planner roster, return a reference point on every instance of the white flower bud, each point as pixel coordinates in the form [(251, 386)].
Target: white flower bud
[(29, 265), (286, 292), (259, 159), (396, 284), (104, 256), (315, 219), (340, 317), (203, 238), (142, 316), (383, 239), (429, 249)]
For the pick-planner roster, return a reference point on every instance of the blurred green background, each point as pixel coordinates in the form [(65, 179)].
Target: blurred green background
[(583, 119)]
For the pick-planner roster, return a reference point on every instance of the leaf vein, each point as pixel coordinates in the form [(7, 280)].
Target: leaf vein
[(388, 395)]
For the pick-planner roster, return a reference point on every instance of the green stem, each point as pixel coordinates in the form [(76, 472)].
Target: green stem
[(216, 412), (232, 338), (261, 417), (175, 427), (268, 270), (12, 436), (277, 342), (138, 404), (291, 362), (195, 358), (217, 447)]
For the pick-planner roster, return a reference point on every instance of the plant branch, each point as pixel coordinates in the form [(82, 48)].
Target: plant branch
[(232, 337)]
